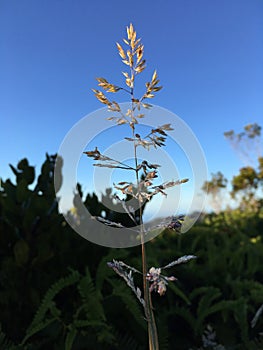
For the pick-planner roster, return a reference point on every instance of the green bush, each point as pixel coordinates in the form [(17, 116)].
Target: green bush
[(57, 292)]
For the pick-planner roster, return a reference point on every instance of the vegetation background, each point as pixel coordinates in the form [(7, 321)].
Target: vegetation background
[(57, 292)]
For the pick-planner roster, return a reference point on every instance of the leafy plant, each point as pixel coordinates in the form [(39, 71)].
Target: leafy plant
[(229, 265), (52, 315)]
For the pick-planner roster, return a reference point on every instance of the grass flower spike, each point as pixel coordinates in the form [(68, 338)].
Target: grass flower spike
[(144, 187)]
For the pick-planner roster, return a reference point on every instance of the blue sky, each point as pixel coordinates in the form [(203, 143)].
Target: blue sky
[(209, 57)]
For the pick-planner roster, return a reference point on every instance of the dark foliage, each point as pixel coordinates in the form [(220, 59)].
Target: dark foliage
[(56, 290)]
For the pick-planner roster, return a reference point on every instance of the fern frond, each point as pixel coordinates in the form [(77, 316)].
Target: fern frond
[(93, 310), (240, 313), (48, 304), (207, 299), (71, 335), (37, 328), (91, 298), (120, 290)]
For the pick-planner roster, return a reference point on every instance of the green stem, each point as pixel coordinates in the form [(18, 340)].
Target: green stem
[(148, 309), (149, 314)]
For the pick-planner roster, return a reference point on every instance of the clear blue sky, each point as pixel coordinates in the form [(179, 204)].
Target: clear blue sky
[(209, 56)]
